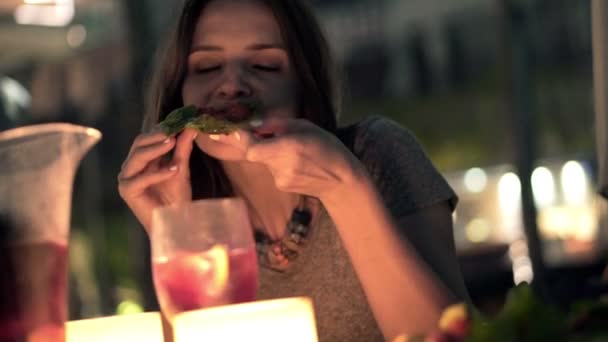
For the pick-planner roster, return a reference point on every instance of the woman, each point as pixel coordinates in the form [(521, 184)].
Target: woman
[(356, 217)]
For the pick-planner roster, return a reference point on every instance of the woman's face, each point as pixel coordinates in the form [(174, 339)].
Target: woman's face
[(238, 55)]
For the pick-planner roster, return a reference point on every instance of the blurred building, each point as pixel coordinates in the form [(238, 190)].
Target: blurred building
[(415, 47), (389, 48)]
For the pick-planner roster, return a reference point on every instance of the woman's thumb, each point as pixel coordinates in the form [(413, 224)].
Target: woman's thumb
[(183, 147)]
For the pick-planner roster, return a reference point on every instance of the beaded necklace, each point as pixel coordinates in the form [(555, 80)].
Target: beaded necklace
[(278, 255)]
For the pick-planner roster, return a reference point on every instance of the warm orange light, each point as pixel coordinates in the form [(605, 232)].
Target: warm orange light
[(144, 327), (39, 2), (288, 319), (45, 12)]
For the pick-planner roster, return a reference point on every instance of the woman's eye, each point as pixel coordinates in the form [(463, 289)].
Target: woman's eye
[(267, 68), (206, 69)]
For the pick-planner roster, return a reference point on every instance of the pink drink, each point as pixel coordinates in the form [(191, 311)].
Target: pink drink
[(33, 287), (243, 283), (189, 281)]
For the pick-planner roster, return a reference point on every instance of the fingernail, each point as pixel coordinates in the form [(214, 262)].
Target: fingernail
[(173, 168), (166, 141), (215, 137), (256, 123), (195, 136), (237, 136)]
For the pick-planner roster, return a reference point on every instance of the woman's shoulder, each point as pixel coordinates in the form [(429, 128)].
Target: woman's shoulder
[(397, 162)]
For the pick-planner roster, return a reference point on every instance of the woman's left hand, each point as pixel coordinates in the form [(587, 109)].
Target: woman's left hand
[(302, 157)]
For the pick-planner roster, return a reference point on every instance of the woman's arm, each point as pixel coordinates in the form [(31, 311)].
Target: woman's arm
[(405, 295), (391, 207)]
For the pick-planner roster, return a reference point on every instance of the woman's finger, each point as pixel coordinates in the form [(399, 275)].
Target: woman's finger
[(240, 139), (277, 126), (142, 156), (271, 148), (183, 147), (136, 185), (145, 139)]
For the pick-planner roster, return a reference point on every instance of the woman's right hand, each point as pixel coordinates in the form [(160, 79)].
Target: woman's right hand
[(146, 181)]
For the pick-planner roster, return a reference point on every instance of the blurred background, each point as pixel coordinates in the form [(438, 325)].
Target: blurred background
[(499, 92)]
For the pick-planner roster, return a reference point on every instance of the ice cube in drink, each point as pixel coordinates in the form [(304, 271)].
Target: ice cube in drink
[(190, 281), (198, 280)]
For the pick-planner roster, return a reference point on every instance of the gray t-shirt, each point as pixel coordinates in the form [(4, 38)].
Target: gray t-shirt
[(407, 181)]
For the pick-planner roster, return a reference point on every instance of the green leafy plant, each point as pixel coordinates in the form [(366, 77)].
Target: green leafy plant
[(524, 317)]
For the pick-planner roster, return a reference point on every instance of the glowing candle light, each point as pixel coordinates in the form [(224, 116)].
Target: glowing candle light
[(144, 327), (288, 319)]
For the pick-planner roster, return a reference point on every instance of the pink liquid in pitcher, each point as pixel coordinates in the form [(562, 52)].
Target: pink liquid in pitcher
[(191, 281), (33, 288)]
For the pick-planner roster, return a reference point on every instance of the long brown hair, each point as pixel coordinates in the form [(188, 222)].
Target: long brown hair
[(309, 54)]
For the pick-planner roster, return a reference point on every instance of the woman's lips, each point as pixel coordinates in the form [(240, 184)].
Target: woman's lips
[(233, 112), (260, 134)]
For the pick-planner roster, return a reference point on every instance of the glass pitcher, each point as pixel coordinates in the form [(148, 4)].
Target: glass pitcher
[(37, 170)]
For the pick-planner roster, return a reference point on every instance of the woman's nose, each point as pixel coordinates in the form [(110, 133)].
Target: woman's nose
[(233, 84)]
